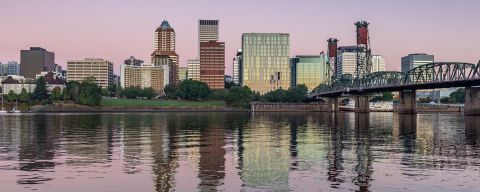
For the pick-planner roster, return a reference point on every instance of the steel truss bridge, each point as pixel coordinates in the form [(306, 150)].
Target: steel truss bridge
[(428, 76)]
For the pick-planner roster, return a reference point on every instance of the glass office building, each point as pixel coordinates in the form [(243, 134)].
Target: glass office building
[(266, 64), (310, 70)]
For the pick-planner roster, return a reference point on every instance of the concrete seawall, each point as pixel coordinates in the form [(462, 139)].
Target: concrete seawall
[(288, 107)]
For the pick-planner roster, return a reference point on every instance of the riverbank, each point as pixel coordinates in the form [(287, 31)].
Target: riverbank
[(136, 105)]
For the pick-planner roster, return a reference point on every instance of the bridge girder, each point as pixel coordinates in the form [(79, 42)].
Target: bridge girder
[(432, 73)]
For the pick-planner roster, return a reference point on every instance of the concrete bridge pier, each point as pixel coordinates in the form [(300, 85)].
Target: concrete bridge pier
[(408, 103), (362, 103), (332, 104), (472, 101)]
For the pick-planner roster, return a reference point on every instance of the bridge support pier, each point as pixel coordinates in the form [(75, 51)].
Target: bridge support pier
[(362, 103), (332, 103), (408, 102), (472, 101)]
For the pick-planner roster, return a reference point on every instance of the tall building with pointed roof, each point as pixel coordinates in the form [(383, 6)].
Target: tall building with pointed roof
[(164, 53)]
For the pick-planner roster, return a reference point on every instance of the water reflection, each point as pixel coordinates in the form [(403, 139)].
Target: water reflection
[(240, 152)]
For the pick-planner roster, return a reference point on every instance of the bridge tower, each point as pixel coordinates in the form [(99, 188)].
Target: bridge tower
[(364, 63), (332, 56)]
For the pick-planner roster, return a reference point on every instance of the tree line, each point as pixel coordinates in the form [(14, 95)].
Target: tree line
[(85, 93)]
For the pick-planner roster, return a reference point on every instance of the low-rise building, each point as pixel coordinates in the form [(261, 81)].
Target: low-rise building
[(16, 84)]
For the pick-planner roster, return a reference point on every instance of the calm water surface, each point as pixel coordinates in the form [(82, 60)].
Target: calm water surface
[(239, 152)]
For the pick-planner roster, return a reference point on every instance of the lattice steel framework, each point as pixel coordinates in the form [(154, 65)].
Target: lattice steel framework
[(364, 63), (429, 74)]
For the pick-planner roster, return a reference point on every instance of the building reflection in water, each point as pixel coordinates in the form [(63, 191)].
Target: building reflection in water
[(472, 130), (238, 151), (407, 125), (363, 151), (163, 153), (335, 147), (212, 153)]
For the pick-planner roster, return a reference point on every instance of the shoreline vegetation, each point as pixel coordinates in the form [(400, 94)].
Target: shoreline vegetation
[(189, 95)]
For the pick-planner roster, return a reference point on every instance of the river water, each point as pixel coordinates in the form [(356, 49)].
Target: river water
[(239, 152)]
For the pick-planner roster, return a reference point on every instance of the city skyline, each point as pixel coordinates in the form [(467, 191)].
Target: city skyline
[(397, 28)]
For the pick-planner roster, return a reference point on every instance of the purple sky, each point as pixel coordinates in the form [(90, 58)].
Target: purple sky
[(117, 29)]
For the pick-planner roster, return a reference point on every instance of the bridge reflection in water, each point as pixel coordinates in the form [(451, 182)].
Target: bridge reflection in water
[(240, 151)]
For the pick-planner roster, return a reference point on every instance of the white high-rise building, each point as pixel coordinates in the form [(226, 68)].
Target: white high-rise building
[(193, 69), (346, 60), (414, 60), (378, 63), (237, 62), (207, 31)]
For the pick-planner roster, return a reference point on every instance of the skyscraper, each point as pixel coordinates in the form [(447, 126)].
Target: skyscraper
[(36, 60), (212, 64), (310, 70), (207, 31), (237, 63), (414, 60), (265, 64), (346, 60), (193, 70), (378, 63), (164, 53)]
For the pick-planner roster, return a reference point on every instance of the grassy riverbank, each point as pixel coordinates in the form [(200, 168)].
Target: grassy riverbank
[(111, 102)]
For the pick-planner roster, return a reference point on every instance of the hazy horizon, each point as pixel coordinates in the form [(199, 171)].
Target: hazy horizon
[(117, 29)]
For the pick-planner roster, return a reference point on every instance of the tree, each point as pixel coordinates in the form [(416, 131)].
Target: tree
[(148, 93), (12, 96), (170, 91), (277, 95), (112, 90), (229, 84), (24, 96), (386, 96), (90, 92), (445, 100), (219, 94), (73, 90), (132, 92), (192, 89), (40, 93), (239, 97), (458, 96), (56, 94), (297, 94)]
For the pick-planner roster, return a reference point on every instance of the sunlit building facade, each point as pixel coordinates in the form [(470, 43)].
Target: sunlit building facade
[(212, 64), (100, 69), (182, 73), (193, 69), (346, 60), (207, 31), (265, 63), (164, 53), (378, 63), (143, 76), (310, 70)]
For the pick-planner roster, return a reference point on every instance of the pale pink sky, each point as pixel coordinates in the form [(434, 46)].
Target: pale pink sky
[(117, 29)]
